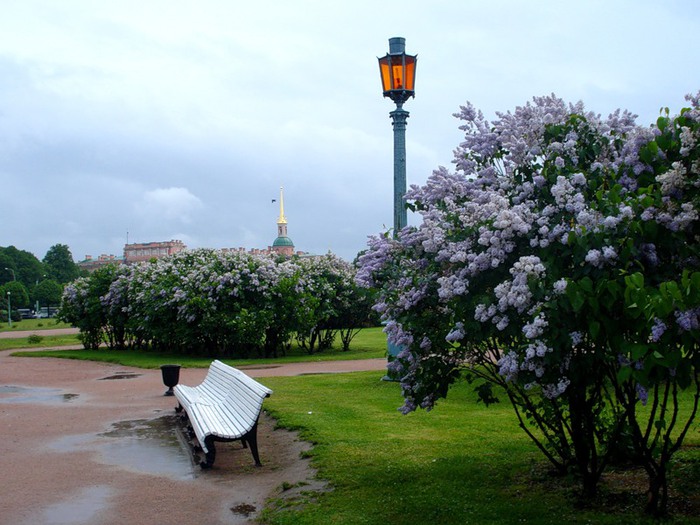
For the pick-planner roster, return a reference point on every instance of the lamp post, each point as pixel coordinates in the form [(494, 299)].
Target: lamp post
[(398, 74), (13, 273), (9, 310)]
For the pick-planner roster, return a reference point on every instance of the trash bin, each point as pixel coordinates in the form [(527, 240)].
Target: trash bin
[(171, 376)]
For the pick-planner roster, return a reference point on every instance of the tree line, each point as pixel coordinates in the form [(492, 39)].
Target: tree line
[(30, 281)]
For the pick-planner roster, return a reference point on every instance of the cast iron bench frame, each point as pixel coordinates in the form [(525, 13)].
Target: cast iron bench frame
[(224, 407)]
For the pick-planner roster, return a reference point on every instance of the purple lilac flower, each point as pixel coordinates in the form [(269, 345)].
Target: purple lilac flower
[(576, 338), (657, 330), (688, 319), (642, 394)]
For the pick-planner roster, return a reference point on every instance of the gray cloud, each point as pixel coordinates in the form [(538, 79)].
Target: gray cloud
[(183, 120)]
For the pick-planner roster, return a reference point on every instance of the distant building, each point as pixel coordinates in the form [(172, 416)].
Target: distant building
[(133, 253), (141, 252), (90, 264)]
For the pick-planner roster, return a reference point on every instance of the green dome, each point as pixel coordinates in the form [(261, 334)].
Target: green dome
[(283, 241)]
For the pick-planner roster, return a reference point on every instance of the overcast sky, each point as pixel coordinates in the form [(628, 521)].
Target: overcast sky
[(182, 119)]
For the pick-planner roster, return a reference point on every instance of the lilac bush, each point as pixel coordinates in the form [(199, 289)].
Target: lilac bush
[(528, 272), (213, 302)]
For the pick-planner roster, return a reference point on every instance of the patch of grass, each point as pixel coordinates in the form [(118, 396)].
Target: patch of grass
[(48, 341), (460, 463), (369, 343), (32, 324)]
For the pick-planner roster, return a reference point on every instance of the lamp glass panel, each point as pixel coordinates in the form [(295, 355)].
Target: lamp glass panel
[(397, 74), (385, 72), (410, 73)]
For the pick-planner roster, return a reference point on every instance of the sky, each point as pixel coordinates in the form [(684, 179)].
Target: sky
[(140, 121)]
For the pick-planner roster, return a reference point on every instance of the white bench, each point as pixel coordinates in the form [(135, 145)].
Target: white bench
[(224, 407)]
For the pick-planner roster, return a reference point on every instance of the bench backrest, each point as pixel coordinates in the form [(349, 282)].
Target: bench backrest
[(224, 381)]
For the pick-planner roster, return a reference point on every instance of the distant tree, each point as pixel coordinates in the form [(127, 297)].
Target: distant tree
[(18, 294), (60, 265), (26, 267), (7, 266), (48, 293)]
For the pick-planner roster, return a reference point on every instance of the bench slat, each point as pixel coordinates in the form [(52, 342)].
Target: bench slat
[(225, 405)]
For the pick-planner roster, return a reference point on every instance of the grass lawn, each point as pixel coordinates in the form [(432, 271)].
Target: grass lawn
[(32, 324), (369, 343), (41, 341), (460, 463)]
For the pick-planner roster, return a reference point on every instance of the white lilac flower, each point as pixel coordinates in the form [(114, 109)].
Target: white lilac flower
[(593, 257), (560, 286), (535, 328), (457, 333)]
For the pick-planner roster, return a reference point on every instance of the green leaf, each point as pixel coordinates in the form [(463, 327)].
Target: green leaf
[(594, 329), (586, 284), (624, 373)]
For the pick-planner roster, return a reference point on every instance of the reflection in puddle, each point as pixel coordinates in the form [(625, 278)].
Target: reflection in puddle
[(122, 375), (82, 509), (152, 446), (23, 394)]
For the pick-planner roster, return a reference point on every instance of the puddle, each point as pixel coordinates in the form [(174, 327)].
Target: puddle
[(72, 443), (84, 508), (122, 375), (22, 394), (151, 446), (148, 446)]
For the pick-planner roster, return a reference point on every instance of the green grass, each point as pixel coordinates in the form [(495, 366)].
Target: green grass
[(460, 463), (369, 343), (32, 324), (48, 341)]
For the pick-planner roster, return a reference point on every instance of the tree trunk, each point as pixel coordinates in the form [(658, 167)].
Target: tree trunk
[(657, 502)]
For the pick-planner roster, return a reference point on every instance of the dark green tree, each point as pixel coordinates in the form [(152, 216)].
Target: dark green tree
[(60, 265), (48, 293), (18, 294), (24, 266)]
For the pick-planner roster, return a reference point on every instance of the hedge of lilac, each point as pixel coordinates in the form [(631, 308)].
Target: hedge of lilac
[(218, 303), (560, 262)]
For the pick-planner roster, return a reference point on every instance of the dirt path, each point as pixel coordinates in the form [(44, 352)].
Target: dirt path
[(19, 334), (83, 443)]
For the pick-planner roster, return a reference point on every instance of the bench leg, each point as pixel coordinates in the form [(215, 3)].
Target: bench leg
[(178, 408), (252, 438), (211, 453)]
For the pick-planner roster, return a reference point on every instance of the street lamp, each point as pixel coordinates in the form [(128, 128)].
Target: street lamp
[(398, 73), (13, 273), (9, 310)]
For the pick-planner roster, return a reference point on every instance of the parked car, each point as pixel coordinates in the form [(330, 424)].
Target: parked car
[(26, 313)]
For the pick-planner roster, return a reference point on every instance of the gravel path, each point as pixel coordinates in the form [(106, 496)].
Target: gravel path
[(87, 443)]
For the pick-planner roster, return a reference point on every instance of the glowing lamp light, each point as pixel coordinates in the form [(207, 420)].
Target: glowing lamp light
[(398, 72)]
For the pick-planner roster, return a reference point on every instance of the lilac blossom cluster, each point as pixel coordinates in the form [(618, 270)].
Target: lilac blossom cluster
[(541, 197)]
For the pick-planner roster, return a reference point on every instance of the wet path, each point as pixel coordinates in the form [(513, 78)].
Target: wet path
[(89, 443)]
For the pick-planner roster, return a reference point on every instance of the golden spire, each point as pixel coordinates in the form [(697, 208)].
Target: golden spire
[(281, 220)]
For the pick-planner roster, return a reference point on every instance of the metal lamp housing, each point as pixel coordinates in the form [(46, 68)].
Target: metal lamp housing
[(398, 72)]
